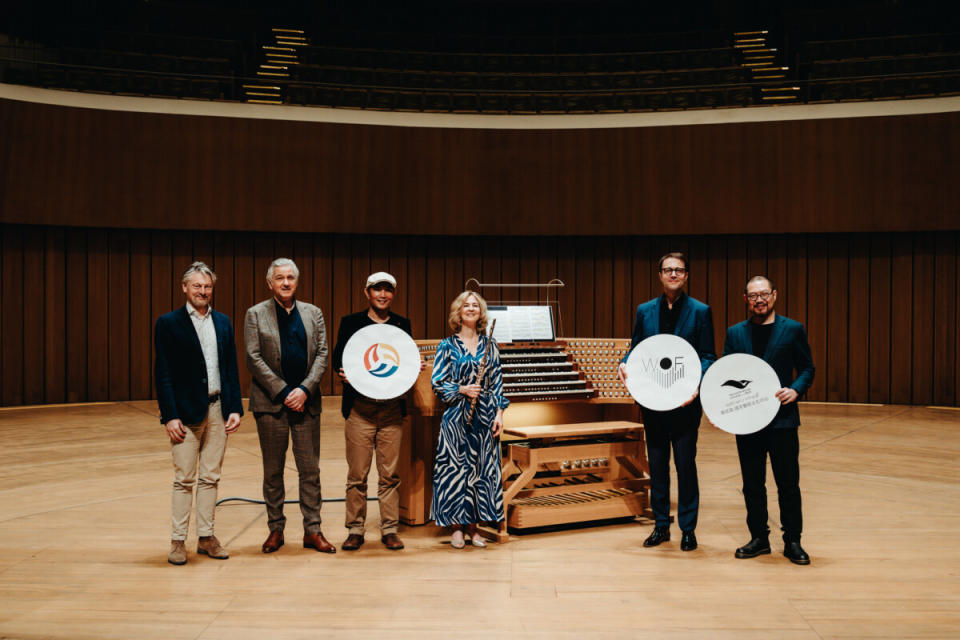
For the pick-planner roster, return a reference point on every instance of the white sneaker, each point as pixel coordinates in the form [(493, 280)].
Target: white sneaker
[(478, 541)]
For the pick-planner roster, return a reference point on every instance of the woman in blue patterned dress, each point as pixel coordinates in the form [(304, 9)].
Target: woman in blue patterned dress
[(467, 485)]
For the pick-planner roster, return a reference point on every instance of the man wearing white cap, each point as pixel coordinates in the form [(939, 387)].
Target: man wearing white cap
[(372, 425)]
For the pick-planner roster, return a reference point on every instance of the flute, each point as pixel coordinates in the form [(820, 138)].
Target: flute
[(482, 369)]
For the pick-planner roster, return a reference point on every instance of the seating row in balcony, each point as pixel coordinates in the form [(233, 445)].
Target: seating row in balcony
[(553, 103), (517, 82), (184, 65), (473, 102), (517, 63), (138, 84), (876, 47), (445, 41), (884, 89), (911, 64), (153, 43)]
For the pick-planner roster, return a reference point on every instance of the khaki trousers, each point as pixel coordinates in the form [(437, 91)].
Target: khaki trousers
[(197, 461), (373, 427)]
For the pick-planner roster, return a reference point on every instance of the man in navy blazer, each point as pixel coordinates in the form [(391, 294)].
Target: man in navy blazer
[(783, 344), (198, 390), (676, 313)]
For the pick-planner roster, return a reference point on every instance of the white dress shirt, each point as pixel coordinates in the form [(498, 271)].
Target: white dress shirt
[(208, 343)]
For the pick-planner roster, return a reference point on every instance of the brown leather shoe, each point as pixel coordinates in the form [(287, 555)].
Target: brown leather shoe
[(353, 542), (178, 552), (273, 542), (318, 542), (392, 541), (210, 546)]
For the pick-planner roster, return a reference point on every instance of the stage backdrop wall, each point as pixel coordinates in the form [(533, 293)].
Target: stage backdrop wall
[(100, 168), (78, 304)]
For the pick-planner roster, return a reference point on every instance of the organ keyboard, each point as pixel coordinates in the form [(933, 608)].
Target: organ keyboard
[(572, 385)]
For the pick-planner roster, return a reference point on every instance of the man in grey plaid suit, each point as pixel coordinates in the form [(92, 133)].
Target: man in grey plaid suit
[(286, 345)]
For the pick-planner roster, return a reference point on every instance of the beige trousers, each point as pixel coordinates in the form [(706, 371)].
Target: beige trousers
[(197, 461), (373, 427)]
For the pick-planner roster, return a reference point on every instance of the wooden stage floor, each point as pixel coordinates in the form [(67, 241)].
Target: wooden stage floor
[(85, 510)]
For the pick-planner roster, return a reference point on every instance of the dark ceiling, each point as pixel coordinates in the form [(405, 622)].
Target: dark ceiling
[(244, 19)]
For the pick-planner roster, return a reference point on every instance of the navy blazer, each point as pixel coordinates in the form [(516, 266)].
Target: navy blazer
[(180, 370), (695, 325), (788, 349)]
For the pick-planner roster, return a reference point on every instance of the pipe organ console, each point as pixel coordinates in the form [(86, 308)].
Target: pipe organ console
[(573, 442)]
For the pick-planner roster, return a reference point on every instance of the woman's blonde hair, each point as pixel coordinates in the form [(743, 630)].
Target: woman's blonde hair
[(454, 319)]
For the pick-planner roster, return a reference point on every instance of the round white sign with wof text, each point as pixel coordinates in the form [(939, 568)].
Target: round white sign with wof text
[(738, 393), (381, 361), (663, 372)]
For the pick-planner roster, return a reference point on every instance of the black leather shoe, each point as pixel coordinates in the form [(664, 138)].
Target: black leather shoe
[(353, 542), (795, 553), (392, 541), (688, 541), (754, 548), (660, 534)]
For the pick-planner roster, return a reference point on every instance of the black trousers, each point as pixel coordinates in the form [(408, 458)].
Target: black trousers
[(675, 430), (783, 446)]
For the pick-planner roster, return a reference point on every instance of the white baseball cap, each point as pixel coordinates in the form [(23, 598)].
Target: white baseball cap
[(381, 276)]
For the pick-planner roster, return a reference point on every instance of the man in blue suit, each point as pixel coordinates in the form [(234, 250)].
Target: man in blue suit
[(675, 313), (198, 390), (783, 344)]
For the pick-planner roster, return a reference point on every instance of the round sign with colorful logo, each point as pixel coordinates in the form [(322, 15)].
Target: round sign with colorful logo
[(663, 372), (381, 361), (738, 393)]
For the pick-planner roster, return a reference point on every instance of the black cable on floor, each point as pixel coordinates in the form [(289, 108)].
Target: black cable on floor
[(255, 501)]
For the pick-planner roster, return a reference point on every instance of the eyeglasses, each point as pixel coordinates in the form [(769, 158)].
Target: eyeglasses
[(762, 295), (673, 270)]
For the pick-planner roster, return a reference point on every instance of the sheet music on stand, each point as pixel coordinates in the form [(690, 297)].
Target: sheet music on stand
[(517, 320), (523, 323)]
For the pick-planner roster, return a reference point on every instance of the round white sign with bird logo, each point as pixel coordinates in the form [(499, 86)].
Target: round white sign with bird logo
[(738, 393)]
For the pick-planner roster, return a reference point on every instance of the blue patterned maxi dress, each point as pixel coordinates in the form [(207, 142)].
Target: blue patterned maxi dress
[(467, 485)]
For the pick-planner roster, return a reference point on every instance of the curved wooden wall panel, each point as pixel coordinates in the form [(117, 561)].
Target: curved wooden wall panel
[(79, 304), (88, 167)]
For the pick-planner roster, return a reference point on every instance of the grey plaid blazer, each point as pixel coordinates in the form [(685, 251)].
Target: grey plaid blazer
[(262, 339)]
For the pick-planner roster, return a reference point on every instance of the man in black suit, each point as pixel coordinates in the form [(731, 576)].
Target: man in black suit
[(674, 312), (198, 390), (783, 344)]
